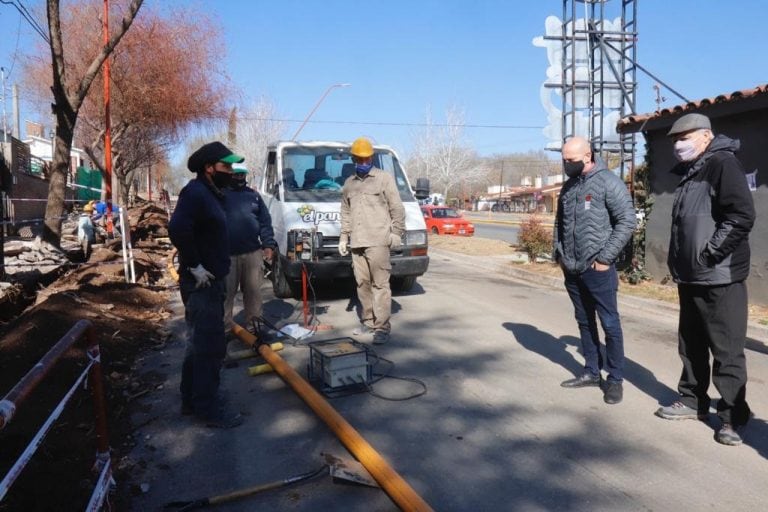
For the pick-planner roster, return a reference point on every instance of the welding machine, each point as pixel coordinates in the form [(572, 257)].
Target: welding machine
[(339, 364)]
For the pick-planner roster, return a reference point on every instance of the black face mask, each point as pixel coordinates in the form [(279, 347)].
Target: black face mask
[(221, 179), (237, 184), (573, 169)]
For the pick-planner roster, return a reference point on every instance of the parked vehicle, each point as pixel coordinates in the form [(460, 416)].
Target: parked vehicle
[(301, 186), (443, 220)]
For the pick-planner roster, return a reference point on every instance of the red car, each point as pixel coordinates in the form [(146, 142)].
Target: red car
[(443, 220)]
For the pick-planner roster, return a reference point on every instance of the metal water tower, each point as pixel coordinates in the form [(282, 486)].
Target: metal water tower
[(598, 84)]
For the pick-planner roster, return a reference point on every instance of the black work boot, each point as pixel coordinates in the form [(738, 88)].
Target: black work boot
[(613, 393), (582, 381)]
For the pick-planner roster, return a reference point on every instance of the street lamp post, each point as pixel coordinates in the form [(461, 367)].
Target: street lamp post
[(327, 91)]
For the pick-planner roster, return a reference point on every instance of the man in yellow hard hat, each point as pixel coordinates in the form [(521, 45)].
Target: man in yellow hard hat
[(372, 223)]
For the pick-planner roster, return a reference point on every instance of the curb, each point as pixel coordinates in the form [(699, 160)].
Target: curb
[(756, 333)]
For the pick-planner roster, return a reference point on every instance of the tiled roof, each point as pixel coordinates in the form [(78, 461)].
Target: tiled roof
[(522, 191), (634, 122)]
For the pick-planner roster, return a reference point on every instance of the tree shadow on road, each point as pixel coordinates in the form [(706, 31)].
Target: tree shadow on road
[(554, 349)]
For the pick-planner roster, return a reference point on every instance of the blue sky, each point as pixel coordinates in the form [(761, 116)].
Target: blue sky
[(403, 57)]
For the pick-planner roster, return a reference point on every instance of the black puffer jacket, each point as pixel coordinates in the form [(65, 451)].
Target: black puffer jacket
[(595, 219), (712, 216)]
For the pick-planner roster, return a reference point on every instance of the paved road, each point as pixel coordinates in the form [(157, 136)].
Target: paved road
[(495, 432)]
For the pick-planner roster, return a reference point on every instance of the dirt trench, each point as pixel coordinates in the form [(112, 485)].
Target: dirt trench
[(128, 321)]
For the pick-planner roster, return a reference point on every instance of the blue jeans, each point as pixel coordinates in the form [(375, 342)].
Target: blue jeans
[(206, 345), (595, 292)]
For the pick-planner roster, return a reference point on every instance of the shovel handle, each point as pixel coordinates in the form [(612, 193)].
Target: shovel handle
[(241, 493), (248, 491)]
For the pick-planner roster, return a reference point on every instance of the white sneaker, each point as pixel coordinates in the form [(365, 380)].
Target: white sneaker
[(361, 330)]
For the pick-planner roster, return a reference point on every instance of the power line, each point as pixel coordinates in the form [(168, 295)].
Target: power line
[(30, 19), (28, 16), (16, 49), (383, 123)]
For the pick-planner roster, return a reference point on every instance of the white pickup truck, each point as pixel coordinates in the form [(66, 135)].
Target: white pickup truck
[(301, 185)]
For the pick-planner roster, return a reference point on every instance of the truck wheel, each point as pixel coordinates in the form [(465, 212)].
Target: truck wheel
[(280, 285), (402, 283)]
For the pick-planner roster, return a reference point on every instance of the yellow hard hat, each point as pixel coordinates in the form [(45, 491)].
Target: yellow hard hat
[(362, 148), (88, 208)]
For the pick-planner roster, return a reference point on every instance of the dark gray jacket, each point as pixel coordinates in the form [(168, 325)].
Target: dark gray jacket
[(595, 219), (712, 216)]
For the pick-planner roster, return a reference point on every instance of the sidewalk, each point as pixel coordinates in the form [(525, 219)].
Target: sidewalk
[(506, 265)]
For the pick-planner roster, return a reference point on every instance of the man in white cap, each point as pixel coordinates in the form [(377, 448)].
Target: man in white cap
[(251, 241), (712, 216)]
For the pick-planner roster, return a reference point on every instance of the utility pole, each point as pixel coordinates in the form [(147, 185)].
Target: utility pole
[(5, 124), (16, 122), (306, 119), (501, 185), (659, 98)]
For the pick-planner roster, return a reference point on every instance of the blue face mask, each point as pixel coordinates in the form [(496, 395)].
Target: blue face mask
[(363, 168)]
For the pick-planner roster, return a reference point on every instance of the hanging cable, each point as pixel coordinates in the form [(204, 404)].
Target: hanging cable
[(30, 19)]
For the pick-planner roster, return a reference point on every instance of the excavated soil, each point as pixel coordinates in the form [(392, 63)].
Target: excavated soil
[(127, 320)]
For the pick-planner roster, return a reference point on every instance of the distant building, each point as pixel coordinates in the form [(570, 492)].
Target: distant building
[(41, 150), (25, 204)]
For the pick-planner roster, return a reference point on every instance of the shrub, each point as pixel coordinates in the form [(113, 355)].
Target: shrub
[(534, 238)]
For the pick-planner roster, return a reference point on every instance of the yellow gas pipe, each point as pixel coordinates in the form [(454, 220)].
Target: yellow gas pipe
[(389, 480)]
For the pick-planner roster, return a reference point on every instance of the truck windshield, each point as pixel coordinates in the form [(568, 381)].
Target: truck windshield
[(316, 174)]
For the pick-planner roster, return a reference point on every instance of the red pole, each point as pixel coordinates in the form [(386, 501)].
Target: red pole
[(107, 124), (304, 294), (96, 381)]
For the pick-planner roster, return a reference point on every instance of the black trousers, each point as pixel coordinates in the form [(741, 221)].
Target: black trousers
[(713, 319), (206, 344)]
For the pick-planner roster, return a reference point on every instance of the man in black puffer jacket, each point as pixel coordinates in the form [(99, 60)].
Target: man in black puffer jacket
[(595, 220), (712, 216)]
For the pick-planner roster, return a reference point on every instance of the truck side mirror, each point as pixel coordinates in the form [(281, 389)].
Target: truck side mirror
[(422, 188)]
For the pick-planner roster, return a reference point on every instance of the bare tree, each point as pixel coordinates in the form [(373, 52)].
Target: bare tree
[(254, 130), (161, 56), (69, 91), (421, 161), (442, 154)]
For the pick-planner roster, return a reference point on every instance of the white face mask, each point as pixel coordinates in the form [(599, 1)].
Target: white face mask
[(686, 150)]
